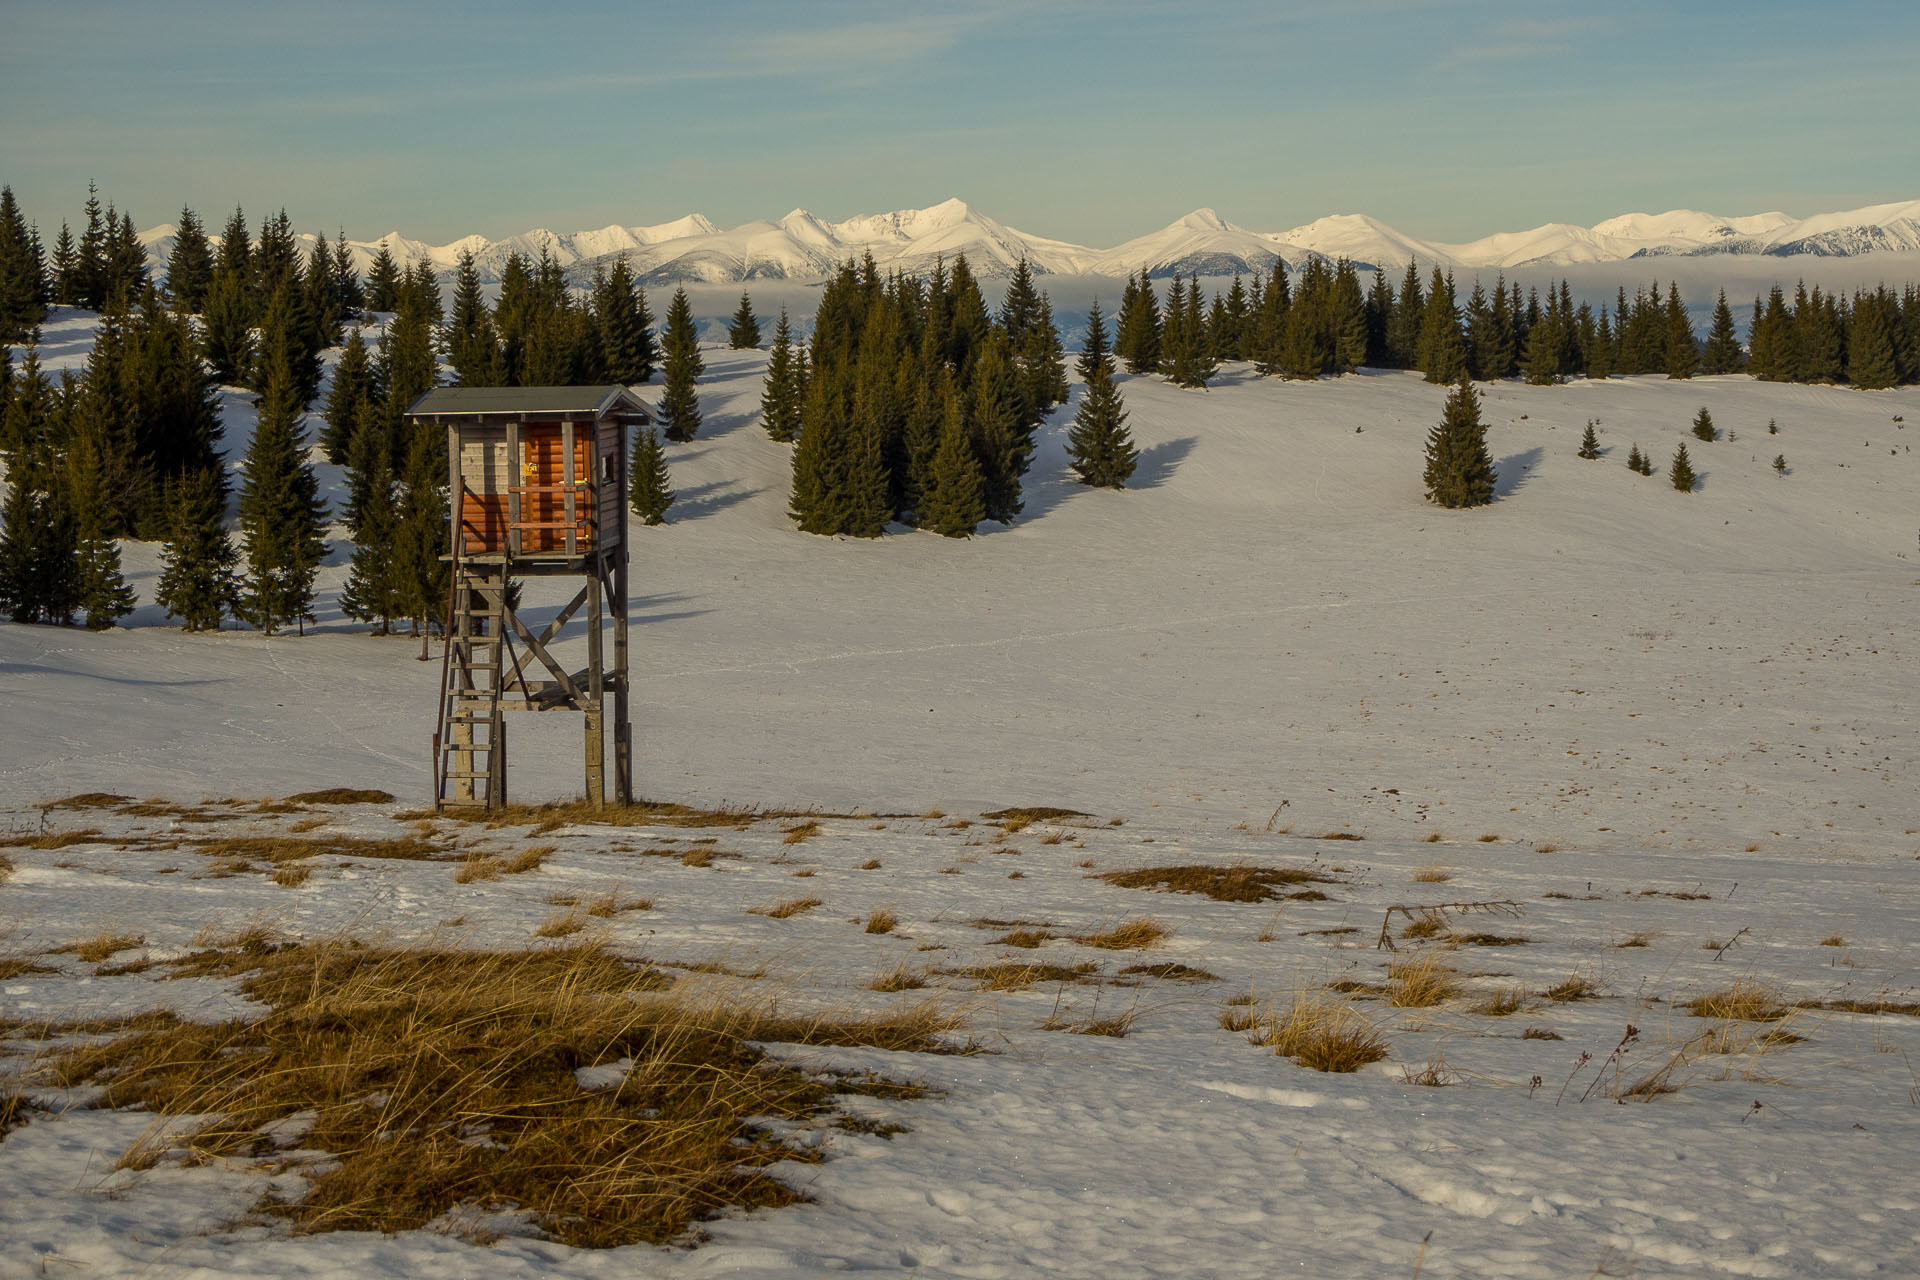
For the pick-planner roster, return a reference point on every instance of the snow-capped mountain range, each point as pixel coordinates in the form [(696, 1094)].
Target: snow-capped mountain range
[(801, 246)]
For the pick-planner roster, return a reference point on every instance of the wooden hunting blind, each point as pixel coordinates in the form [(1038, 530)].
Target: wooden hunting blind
[(538, 485)]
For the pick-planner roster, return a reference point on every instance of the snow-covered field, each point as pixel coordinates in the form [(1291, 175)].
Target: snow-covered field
[(1687, 719)]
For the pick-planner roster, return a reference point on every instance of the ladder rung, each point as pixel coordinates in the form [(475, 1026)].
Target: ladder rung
[(466, 773)]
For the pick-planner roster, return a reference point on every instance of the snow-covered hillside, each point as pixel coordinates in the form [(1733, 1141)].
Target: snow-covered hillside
[(801, 246), (1675, 731)]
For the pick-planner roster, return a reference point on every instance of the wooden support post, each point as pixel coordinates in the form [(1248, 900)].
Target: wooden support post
[(622, 726), (596, 729), (569, 475), (515, 477)]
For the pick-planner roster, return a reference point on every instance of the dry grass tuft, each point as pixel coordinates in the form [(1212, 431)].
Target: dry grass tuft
[(1169, 973), (1502, 1003), (1342, 835), (97, 948), (561, 924), (341, 795), (1432, 837), (259, 853), (19, 967), (871, 864), (1013, 821), (1244, 883), (1436, 1074), (1421, 983), (1489, 939), (1640, 939), (553, 816), (478, 867), (1573, 987), (51, 841), (800, 832), (1744, 1001), (785, 908), (1432, 873), (1012, 975), (1910, 1008), (612, 903), (1540, 1033), (1488, 838), (1546, 846), (1129, 934), (293, 875), (1322, 1034), (89, 800), (1428, 924), (902, 977), (1833, 940), (441, 1079), (6, 866), (1237, 1017), (881, 920), (528, 859)]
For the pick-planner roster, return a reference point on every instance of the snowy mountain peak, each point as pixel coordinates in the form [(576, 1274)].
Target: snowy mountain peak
[(1204, 220)]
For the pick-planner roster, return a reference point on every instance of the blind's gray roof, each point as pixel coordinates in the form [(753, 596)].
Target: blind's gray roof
[(464, 402)]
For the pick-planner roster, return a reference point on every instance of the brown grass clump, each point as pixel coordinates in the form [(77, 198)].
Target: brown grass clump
[(1910, 1008), (1342, 835), (528, 859), (1573, 987), (871, 864), (442, 1079), (1432, 837), (293, 875), (1169, 973), (902, 977), (1136, 932), (612, 903), (51, 841), (1012, 975), (341, 795), (1833, 940), (553, 816), (1432, 873), (1640, 939), (561, 924), (801, 832), (89, 800), (1244, 883), (881, 920), (1489, 939), (6, 867), (248, 853), (20, 967), (784, 908), (1501, 1003), (97, 948), (1421, 983), (1744, 1001), (1541, 1033), (1024, 938), (1322, 1034), (478, 867), (1488, 838), (1428, 924), (1436, 1074), (1013, 821)]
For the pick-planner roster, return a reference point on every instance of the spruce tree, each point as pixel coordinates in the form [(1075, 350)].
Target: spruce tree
[(780, 400), (1683, 352), (1099, 446), (383, 282), (743, 330), (104, 595), (1590, 443), (1138, 341), (1703, 425), (1872, 363), (1780, 463), (1681, 472), (1637, 462), (197, 583), (994, 420), (649, 492), (954, 504), (373, 589), (1722, 353), (282, 517), (226, 332), (352, 384), (24, 289), (469, 334), (625, 326), (1442, 353), (1460, 471), (190, 266), (679, 403), (64, 268)]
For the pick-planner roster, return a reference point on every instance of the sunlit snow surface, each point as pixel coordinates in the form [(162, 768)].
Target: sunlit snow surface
[(1270, 639)]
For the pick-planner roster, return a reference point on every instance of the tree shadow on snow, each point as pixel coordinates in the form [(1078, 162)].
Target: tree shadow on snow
[(705, 499), (1158, 462), (1513, 470)]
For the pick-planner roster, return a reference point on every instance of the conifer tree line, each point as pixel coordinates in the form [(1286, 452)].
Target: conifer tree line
[(912, 402)]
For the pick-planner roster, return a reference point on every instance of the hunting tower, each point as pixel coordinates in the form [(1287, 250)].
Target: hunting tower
[(538, 485)]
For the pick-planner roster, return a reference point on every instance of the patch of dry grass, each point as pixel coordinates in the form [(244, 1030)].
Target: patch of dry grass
[(1421, 983), (52, 840), (1541, 1033), (800, 832), (567, 813), (902, 977), (1488, 838), (1169, 973), (881, 920), (260, 853), (528, 859), (1012, 975), (1501, 1003), (1013, 821), (476, 867), (89, 800), (1641, 938), (614, 903), (341, 795), (441, 1079), (293, 875), (561, 924), (871, 864), (1910, 1008), (1833, 940), (20, 967), (1488, 939), (1428, 924), (1130, 934), (1322, 1034), (1024, 938), (100, 946), (1574, 986), (1744, 1001), (784, 908), (1245, 883), (1432, 873)]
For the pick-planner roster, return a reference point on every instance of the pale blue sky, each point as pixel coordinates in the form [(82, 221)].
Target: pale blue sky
[(1079, 121)]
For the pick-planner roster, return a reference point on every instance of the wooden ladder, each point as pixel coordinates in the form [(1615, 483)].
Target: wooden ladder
[(470, 760)]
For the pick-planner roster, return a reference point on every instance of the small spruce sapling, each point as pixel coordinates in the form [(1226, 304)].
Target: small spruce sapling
[(1780, 463), (1637, 462), (1773, 428), (1590, 443), (649, 492), (1460, 471), (1681, 473), (1703, 425)]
